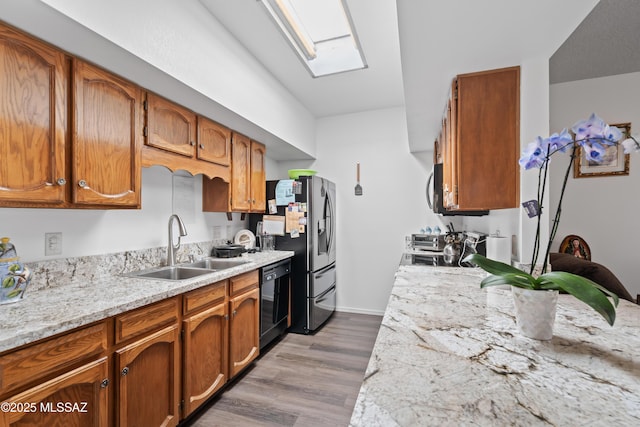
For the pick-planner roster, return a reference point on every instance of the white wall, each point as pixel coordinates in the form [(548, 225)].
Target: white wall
[(371, 227), (601, 210), (92, 232)]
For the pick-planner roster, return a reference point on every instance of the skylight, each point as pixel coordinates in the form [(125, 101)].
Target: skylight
[(321, 33)]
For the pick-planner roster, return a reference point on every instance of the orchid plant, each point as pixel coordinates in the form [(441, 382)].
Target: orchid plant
[(593, 136)]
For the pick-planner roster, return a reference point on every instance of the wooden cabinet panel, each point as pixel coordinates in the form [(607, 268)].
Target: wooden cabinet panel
[(214, 142), (106, 150), (481, 141), (206, 338), (84, 390), (244, 282), (33, 119), (202, 297), (247, 190), (147, 375), (144, 319), (170, 126), (244, 335), (31, 363), (258, 182), (240, 173)]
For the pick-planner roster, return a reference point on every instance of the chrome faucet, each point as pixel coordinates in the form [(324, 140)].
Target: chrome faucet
[(173, 248)]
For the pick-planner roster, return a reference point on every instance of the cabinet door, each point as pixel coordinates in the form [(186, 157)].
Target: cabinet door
[(488, 139), (79, 398), (240, 173), (170, 126), (147, 373), (214, 142), (205, 355), (244, 335), (33, 104), (106, 150), (258, 183)]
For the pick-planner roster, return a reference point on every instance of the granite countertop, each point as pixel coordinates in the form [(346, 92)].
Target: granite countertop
[(448, 353), (89, 298)]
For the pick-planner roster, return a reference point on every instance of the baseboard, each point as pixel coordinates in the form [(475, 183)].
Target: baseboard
[(359, 311)]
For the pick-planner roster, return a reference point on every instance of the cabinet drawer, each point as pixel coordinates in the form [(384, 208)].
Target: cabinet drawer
[(144, 319), (204, 296), (36, 361), (244, 282)]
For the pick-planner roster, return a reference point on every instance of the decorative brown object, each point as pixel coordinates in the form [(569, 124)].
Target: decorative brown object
[(576, 246), (615, 161)]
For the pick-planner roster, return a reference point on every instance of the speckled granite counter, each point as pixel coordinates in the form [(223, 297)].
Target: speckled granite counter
[(448, 353), (98, 293)]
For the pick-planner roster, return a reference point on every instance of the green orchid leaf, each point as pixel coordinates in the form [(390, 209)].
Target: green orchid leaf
[(507, 279), (498, 268), (14, 294), (494, 267), (583, 289)]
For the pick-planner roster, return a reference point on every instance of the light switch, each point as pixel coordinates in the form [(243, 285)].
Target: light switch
[(52, 244)]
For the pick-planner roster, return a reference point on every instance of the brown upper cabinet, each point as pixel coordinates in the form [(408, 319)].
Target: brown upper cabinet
[(214, 142), (33, 120), (246, 192), (106, 128), (480, 141), (179, 139), (170, 127)]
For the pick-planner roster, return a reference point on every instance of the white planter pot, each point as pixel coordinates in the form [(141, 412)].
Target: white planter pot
[(535, 312)]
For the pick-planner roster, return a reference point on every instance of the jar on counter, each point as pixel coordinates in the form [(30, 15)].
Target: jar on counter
[(14, 276)]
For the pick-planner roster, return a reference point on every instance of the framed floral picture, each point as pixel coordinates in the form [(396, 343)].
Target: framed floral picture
[(615, 162)]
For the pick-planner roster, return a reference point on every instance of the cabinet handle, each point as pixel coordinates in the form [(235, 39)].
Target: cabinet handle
[(226, 317), (193, 143), (104, 383), (125, 371), (235, 312), (82, 183), (61, 181), (201, 147)]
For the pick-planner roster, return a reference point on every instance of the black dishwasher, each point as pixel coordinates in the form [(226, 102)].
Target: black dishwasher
[(274, 301)]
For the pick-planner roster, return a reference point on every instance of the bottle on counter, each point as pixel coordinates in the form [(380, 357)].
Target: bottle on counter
[(14, 276)]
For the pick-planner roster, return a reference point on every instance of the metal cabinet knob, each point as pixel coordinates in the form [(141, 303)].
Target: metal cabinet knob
[(82, 183), (235, 312), (193, 143), (61, 181), (125, 371), (104, 383), (201, 147)]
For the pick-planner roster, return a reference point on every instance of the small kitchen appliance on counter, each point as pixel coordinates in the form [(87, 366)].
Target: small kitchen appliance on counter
[(444, 250), (228, 251)]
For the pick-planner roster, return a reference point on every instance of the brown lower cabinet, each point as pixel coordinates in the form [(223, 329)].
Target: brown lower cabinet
[(152, 366)]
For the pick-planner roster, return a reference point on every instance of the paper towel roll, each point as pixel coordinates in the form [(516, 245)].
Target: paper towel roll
[(499, 249)]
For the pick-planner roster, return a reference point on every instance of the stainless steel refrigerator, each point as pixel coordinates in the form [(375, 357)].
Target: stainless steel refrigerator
[(313, 267)]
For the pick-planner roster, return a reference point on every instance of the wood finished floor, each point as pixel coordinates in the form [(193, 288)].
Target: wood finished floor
[(304, 380)]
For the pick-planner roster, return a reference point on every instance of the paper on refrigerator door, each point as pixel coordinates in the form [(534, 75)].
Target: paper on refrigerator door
[(273, 224)]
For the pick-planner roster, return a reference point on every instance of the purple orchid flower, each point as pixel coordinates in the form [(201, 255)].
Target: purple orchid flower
[(534, 155)]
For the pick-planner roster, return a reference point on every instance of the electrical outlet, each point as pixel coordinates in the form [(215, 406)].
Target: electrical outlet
[(52, 244)]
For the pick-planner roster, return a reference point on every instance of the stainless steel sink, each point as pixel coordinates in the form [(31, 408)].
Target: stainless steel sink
[(169, 273), (215, 263)]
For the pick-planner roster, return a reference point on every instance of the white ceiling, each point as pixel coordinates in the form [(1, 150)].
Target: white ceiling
[(413, 48), (378, 86)]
